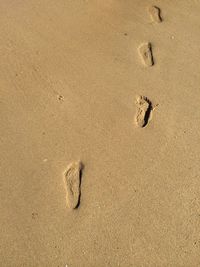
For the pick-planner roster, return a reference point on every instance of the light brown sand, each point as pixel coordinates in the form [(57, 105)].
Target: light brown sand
[(69, 76)]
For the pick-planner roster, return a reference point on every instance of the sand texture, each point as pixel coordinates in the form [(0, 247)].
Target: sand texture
[(112, 86)]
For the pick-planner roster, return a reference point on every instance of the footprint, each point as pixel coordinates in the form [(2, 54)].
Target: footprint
[(145, 51), (144, 111), (155, 14), (72, 179)]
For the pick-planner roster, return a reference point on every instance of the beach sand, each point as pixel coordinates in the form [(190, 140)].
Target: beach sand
[(77, 89)]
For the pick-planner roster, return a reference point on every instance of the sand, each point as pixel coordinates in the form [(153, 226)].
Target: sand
[(70, 77)]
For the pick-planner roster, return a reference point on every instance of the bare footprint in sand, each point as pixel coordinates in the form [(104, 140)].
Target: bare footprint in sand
[(155, 14), (144, 111), (72, 179), (145, 51)]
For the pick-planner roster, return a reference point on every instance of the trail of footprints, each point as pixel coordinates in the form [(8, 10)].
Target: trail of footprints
[(144, 105), (73, 173)]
